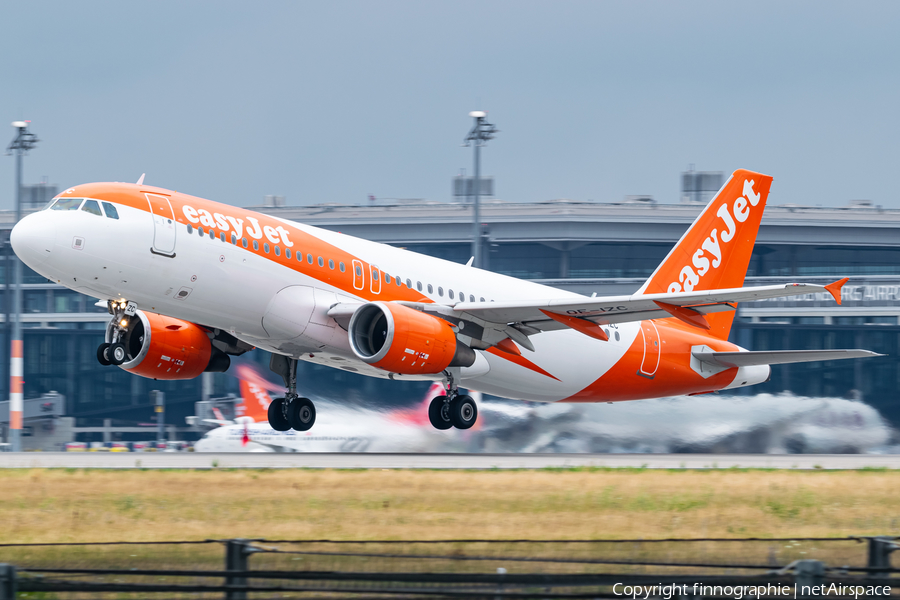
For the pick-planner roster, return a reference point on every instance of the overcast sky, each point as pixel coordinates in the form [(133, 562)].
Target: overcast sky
[(332, 101)]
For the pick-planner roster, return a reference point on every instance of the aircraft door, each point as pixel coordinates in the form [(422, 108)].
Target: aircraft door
[(163, 225), (650, 363), (359, 276)]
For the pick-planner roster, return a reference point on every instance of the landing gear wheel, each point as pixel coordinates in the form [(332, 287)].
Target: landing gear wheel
[(463, 412), (302, 414), (439, 414), (117, 354), (102, 357), (277, 420)]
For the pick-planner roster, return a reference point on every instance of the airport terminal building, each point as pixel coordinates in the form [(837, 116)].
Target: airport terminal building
[(586, 247)]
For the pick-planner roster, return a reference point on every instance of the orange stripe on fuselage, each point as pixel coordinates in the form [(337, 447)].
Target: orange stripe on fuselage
[(674, 375), (133, 195)]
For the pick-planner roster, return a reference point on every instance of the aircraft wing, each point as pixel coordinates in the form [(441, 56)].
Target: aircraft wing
[(777, 357), (493, 322), (637, 307)]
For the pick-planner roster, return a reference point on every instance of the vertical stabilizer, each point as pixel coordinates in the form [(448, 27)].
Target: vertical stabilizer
[(715, 251)]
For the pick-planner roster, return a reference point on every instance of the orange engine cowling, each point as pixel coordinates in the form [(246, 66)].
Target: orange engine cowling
[(399, 339), (160, 347)]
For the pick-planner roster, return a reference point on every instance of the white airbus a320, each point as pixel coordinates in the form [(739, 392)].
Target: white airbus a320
[(189, 282)]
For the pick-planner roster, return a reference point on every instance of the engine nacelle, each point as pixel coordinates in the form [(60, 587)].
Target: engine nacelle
[(160, 347), (402, 340)]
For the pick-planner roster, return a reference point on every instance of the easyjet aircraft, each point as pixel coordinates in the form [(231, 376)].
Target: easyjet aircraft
[(189, 282)]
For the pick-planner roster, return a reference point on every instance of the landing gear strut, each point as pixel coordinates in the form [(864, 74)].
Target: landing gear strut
[(114, 352), (292, 411), (453, 409)]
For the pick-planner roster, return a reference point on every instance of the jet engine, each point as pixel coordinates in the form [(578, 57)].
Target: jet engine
[(402, 340), (160, 347)]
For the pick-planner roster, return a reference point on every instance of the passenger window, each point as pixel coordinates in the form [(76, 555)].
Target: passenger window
[(222, 236), (244, 242), (277, 250), (300, 256), (111, 211), (342, 267), (419, 285), (358, 271), (67, 204), (450, 293), (309, 258), (397, 281), (266, 248), (331, 264), (287, 252), (387, 278), (321, 262), (374, 274), (409, 283), (255, 245), (233, 239), (430, 289), (93, 207), (190, 227), (440, 291), (200, 231)]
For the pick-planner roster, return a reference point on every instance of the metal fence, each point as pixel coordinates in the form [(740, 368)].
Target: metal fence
[(691, 568)]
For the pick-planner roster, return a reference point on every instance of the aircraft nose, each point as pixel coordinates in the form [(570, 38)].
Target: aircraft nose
[(32, 239)]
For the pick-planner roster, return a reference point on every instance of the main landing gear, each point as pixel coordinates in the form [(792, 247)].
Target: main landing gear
[(115, 353), (292, 411), (453, 409)]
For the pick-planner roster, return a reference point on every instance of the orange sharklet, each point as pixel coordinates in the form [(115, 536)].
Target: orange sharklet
[(835, 288)]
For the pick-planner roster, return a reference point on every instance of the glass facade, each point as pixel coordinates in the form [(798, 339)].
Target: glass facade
[(874, 380)]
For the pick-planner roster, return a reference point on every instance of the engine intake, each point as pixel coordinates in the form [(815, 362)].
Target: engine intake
[(402, 340), (160, 347)]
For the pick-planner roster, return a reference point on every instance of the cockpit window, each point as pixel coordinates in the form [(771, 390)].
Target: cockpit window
[(93, 207), (111, 211), (67, 204)]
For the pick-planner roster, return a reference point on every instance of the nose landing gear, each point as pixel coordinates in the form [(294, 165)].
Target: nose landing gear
[(292, 411), (453, 409)]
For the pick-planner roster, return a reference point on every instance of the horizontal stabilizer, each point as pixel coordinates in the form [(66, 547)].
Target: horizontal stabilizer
[(777, 357)]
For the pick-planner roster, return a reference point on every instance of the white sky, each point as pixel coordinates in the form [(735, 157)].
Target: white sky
[(332, 101)]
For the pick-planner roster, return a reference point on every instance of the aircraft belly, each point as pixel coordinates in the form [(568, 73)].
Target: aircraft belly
[(563, 362)]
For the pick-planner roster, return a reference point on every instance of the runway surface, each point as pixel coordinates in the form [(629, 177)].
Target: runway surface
[(191, 460)]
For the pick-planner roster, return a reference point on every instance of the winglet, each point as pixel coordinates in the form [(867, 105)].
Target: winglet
[(835, 288), (689, 316), (588, 328), (141, 180)]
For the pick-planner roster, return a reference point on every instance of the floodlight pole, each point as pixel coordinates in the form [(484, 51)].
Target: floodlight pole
[(21, 144), (481, 132)]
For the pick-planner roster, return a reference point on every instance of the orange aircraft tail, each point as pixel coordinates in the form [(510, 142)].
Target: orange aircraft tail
[(715, 251), (254, 402)]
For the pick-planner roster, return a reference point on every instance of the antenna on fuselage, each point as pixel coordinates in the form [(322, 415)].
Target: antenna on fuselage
[(141, 180), (471, 260)]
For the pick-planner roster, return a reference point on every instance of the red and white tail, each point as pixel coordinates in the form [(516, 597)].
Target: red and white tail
[(715, 251)]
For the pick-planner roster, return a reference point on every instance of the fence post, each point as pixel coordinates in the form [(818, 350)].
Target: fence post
[(808, 573), (7, 582), (880, 549), (236, 554)]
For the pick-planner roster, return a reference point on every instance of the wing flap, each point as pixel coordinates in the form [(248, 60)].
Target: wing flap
[(777, 357)]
